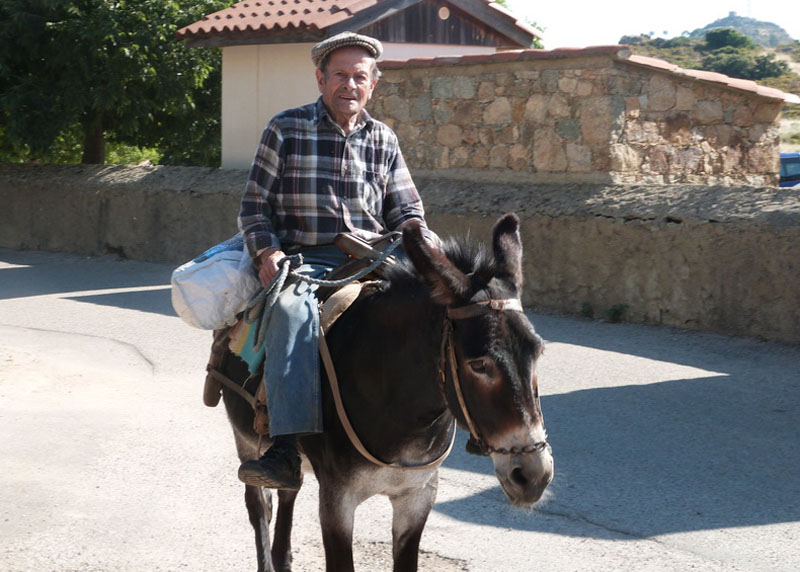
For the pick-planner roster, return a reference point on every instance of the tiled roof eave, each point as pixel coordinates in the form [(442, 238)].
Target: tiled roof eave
[(504, 56), (713, 78), (332, 16), (243, 35), (248, 16), (617, 52)]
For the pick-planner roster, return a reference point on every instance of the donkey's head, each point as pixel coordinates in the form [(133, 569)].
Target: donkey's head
[(491, 383)]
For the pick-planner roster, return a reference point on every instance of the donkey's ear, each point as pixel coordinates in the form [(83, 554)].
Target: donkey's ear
[(507, 246), (447, 283)]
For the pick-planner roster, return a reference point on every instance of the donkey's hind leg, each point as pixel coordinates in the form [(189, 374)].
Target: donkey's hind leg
[(282, 545), (409, 513), (259, 509)]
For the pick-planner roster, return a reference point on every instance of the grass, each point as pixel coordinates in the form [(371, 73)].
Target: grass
[(790, 135)]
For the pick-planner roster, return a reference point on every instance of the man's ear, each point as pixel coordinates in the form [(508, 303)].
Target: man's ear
[(372, 88)]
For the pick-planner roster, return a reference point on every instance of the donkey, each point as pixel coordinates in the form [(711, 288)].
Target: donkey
[(441, 341)]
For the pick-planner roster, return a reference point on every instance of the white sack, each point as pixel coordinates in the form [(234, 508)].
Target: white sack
[(210, 290)]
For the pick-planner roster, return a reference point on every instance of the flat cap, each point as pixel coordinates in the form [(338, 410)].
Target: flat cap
[(343, 40)]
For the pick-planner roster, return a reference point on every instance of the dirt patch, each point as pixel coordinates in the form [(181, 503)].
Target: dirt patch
[(373, 556), (789, 127), (793, 65)]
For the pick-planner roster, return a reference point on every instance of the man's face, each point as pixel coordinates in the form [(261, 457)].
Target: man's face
[(346, 85)]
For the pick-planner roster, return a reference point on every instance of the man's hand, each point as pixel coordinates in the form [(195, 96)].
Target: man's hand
[(269, 262)]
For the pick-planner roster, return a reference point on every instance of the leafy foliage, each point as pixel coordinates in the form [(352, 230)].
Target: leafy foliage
[(537, 43), (735, 62), (726, 52), (766, 65), (727, 37), (750, 62), (83, 70), (731, 61), (680, 51)]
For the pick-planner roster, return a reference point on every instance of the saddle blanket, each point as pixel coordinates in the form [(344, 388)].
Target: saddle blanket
[(243, 336)]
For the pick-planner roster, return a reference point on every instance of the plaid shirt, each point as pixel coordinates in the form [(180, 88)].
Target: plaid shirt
[(310, 182)]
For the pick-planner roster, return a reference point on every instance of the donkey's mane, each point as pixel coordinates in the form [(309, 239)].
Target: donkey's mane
[(466, 254)]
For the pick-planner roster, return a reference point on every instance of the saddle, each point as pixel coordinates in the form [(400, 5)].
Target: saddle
[(333, 303)]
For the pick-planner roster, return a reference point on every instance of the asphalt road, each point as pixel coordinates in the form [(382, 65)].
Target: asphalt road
[(674, 450)]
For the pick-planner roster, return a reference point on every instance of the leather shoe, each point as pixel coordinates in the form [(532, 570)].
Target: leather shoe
[(278, 468)]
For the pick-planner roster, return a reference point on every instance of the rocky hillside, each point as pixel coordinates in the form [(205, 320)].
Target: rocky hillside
[(764, 34)]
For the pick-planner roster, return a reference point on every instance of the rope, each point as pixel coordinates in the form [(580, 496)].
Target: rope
[(259, 308)]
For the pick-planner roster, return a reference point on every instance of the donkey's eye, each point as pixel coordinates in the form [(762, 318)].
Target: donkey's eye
[(478, 365)]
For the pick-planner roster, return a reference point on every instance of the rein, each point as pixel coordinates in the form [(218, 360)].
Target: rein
[(260, 307), (351, 432), (262, 303), (448, 354)]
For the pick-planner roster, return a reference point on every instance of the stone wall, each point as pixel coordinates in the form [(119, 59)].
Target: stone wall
[(599, 115), (723, 259), (158, 214)]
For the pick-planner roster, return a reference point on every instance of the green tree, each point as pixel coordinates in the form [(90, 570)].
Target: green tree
[(767, 66), (730, 61), (735, 62), (724, 37), (105, 69), (537, 43)]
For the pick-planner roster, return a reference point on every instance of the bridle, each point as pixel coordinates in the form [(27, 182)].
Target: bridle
[(448, 354)]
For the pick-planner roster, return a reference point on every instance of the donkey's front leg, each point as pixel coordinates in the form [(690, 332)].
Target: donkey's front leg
[(410, 511), (259, 509), (282, 544), (336, 511)]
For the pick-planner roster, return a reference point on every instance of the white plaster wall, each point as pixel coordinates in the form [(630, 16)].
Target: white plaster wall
[(408, 51), (260, 81)]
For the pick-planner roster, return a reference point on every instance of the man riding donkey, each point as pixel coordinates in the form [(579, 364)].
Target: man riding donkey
[(319, 170)]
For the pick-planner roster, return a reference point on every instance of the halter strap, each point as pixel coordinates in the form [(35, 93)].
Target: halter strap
[(484, 307), (448, 354)]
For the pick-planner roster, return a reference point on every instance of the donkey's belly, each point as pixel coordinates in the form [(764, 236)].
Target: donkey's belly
[(369, 481)]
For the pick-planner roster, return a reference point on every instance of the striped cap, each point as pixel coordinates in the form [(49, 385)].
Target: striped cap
[(325, 47)]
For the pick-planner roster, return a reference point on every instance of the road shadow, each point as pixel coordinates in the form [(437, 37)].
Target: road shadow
[(709, 351), (687, 454), (41, 273), (676, 456), (152, 301)]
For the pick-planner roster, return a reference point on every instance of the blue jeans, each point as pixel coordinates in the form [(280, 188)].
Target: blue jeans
[(291, 367)]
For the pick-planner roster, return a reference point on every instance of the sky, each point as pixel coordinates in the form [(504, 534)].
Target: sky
[(581, 23)]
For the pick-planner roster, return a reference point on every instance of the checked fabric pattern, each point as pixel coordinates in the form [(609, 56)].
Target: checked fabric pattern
[(309, 182)]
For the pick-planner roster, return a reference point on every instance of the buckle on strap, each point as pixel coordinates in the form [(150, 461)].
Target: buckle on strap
[(483, 307), (509, 304)]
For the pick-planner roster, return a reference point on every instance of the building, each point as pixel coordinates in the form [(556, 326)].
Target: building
[(266, 45)]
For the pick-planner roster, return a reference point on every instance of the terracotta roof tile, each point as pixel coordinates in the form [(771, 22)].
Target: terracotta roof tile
[(312, 15), (714, 77), (505, 56), (262, 15), (621, 53)]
